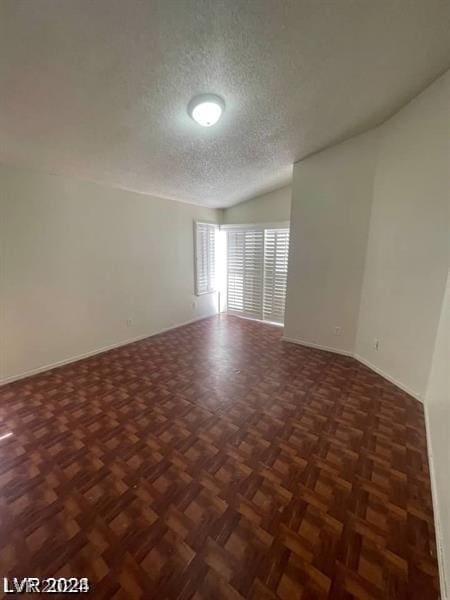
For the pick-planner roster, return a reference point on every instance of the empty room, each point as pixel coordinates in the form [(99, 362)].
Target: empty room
[(225, 299)]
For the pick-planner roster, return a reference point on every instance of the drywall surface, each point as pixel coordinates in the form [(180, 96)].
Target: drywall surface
[(78, 260), (396, 261), (273, 207), (437, 407), (370, 233), (407, 253), (331, 200)]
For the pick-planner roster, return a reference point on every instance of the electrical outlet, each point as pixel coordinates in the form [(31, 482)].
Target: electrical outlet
[(194, 303), (129, 322), (376, 344), (337, 330)]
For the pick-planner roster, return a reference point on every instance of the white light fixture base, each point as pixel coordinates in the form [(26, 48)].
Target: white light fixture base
[(206, 109)]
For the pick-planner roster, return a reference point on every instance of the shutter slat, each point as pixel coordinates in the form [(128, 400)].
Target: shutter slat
[(276, 250), (245, 272), (257, 272), (205, 251)]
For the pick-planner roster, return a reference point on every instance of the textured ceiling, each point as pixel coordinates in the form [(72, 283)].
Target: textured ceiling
[(98, 88)]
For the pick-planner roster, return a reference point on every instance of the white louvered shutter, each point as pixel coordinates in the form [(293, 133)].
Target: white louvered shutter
[(276, 252), (205, 257), (245, 255)]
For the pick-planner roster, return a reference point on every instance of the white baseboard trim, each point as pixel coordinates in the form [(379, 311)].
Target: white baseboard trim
[(388, 377), (71, 359), (443, 575), (317, 346), (360, 359)]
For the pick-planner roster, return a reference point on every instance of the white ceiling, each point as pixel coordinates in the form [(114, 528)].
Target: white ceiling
[(98, 89)]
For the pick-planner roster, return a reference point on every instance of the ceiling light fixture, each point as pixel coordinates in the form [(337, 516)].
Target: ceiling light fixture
[(206, 109)]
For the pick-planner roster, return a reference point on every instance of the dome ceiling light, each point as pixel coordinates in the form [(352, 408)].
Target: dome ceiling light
[(206, 109)]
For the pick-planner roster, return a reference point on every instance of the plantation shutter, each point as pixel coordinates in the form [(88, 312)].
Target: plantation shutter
[(205, 258), (245, 253), (276, 252)]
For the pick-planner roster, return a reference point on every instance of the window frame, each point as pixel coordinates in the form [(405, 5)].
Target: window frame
[(264, 228), (211, 285)]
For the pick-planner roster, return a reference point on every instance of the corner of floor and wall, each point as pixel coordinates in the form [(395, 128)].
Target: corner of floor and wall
[(80, 274), (369, 262)]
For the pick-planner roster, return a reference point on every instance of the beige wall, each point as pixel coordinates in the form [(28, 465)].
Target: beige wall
[(329, 224), (370, 229), (273, 207), (437, 407), (407, 253), (79, 259)]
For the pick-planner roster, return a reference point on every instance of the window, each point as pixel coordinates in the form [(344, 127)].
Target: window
[(257, 272), (276, 252), (205, 258), (245, 272)]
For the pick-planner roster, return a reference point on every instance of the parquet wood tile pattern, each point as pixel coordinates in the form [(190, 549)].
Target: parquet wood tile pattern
[(217, 462)]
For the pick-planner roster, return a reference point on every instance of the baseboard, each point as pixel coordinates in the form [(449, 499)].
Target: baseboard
[(72, 359), (360, 359), (443, 575), (388, 377), (317, 346)]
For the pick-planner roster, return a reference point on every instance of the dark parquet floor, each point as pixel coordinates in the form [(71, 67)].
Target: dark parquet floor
[(217, 462)]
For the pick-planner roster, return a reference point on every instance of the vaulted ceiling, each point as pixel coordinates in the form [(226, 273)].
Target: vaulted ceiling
[(98, 89)]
